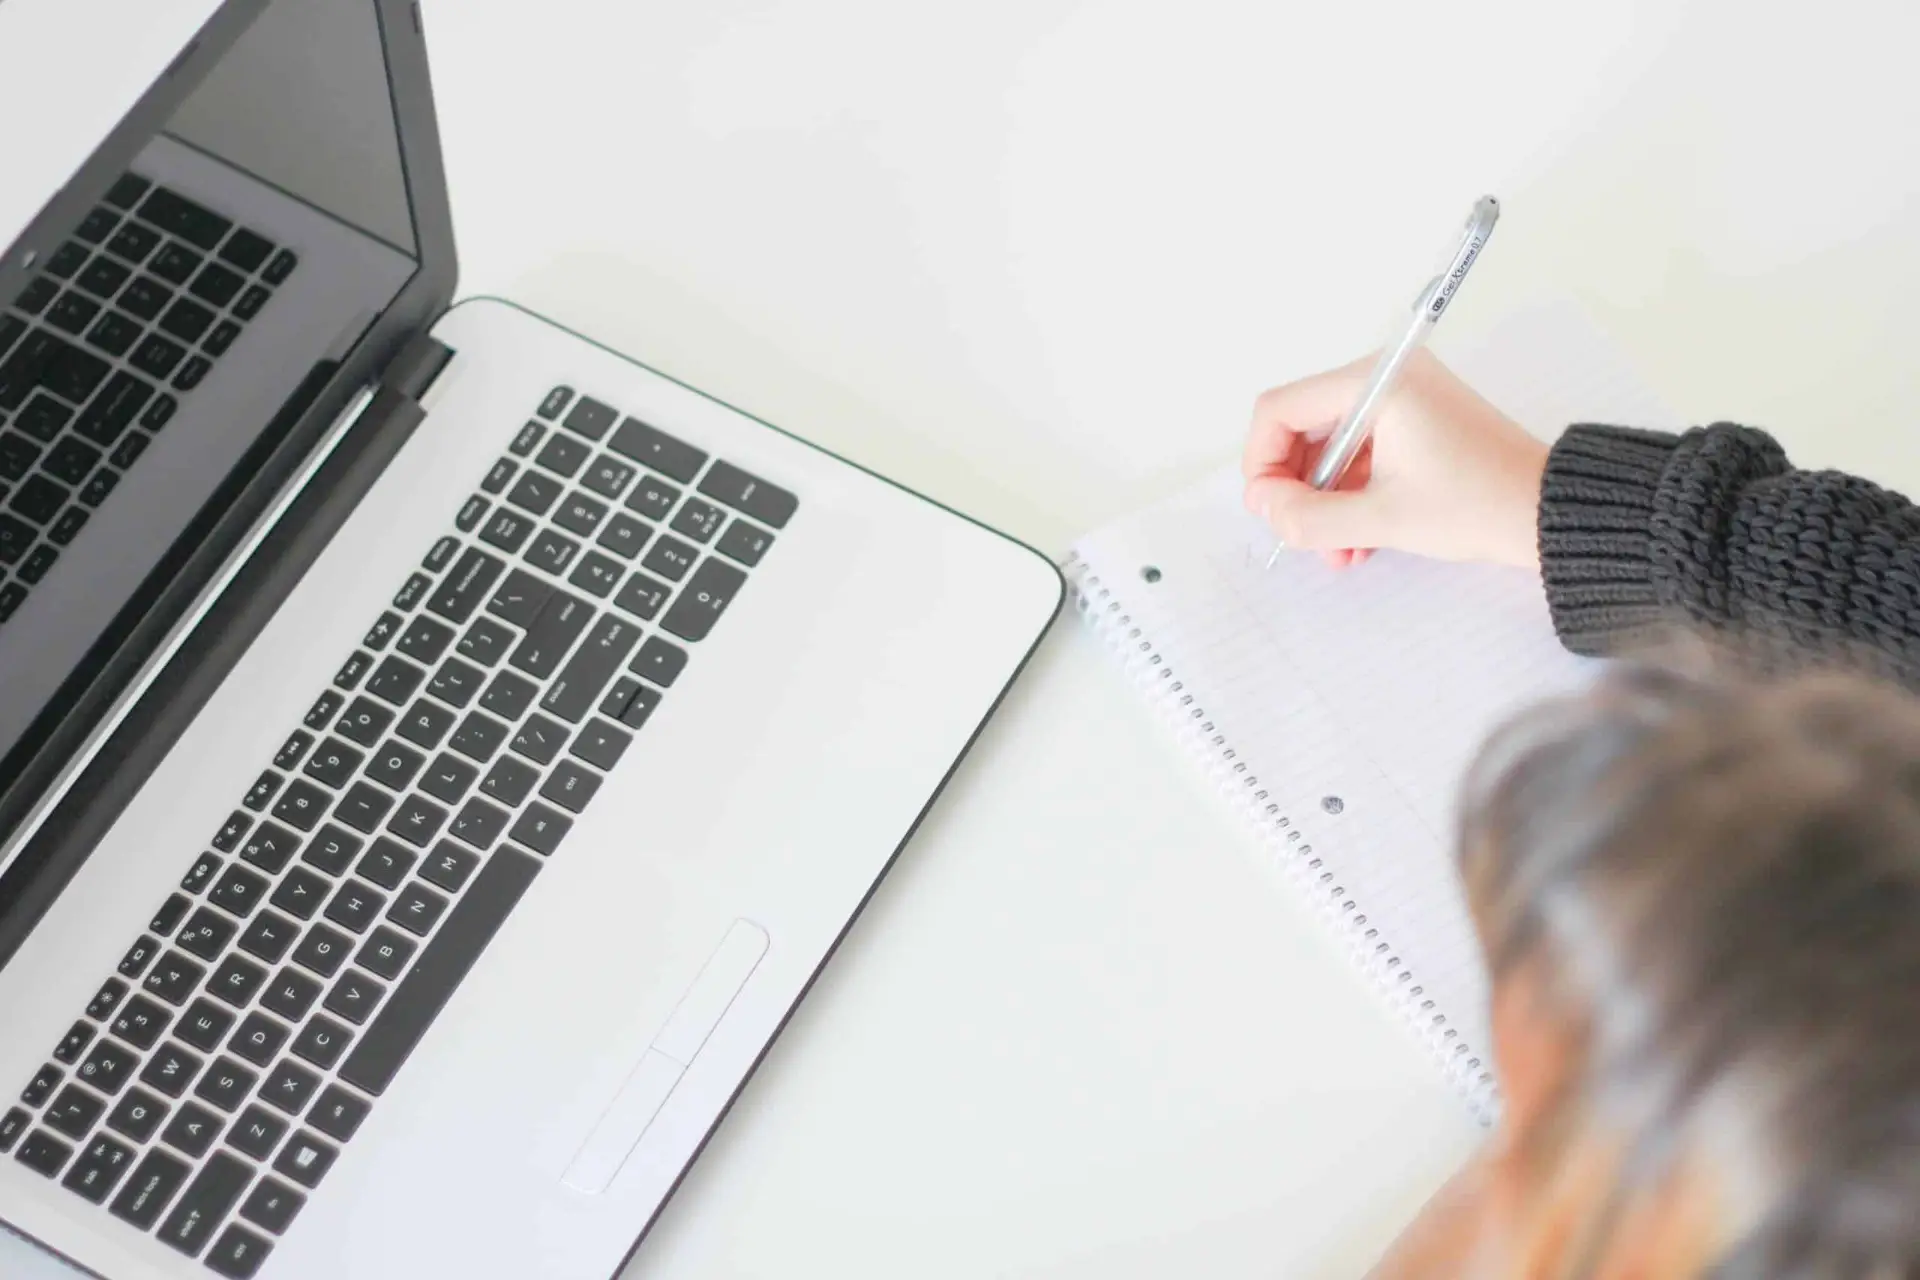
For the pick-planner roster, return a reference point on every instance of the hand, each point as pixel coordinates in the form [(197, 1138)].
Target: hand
[(1443, 474)]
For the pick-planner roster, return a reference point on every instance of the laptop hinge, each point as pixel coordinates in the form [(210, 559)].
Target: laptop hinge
[(414, 369)]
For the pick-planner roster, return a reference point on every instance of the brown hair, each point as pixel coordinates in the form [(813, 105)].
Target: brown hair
[(1717, 878)]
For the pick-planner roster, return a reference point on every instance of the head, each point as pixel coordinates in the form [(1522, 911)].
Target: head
[(1699, 895)]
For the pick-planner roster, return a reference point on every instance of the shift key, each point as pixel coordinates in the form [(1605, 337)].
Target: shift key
[(586, 677), (463, 590), (560, 623)]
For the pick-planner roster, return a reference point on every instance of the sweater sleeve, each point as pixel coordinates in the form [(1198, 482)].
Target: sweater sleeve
[(1714, 530)]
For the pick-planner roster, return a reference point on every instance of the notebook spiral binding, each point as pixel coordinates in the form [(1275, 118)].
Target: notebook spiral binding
[(1283, 839)]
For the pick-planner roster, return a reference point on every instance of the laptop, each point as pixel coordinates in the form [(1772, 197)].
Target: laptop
[(437, 752)]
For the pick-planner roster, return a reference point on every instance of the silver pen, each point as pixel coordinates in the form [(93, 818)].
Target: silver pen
[(1345, 442)]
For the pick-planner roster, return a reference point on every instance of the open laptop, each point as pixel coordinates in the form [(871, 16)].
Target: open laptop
[(436, 752)]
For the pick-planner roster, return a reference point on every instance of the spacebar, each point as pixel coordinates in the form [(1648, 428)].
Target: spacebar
[(417, 1001)]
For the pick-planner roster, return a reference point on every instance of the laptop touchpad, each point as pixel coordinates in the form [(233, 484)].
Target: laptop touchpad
[(666, 1060)]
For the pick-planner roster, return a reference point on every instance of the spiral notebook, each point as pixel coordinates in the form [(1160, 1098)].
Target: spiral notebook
[(1338, 711)]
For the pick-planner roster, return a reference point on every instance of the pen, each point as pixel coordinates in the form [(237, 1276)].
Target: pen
[(1344, 444)]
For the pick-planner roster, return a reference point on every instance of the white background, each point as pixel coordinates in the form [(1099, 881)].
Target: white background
[(1035, 258)]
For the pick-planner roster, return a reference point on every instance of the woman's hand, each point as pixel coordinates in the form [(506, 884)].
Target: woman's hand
[(1443, 474)]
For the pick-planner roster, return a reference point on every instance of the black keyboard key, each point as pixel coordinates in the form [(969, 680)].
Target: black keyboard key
[(96, 490), (332, 849), (302, 805), (597, 575), (257, 1132), (579, 686), (201, 874), (321, 1041), (114, 334), (396, 680), (12, 1125), (609, 476), (353, 671), (440, 554), (102, 277), (508, 695), (386, 863), (220, 338), (41, 1087), (412, 591), (170, 1070), (456, 682), (448, 866), (192, 1130), (73, 312), (563, 455), (226, 1084), (486, 641), (34, 298), (192, 373), (478, 737), (697, 520), (107, 999), (540, 828), (470, 512), (520, 598), (354, 997), (66, 260), (258, 1039), (338, 1113), (235, 829), (138, 1115), (418, 821), (552, 551), (108, 1068), (555, 401), (418, 999), (237, 1254), (289, 1087), (138, 957), (74, 1043), (159, 412), (619, 697), (416, 908), (640, 707), (642, 596), (157, 357), (272, 1206), (598, 743), (207, 934), (324, 709), (323, 950), (215, 284), (540, 739), (365, 722), (239, 891), (15, 537), (11, 327), (652, 497), (39, 499), (560, 623), (145, 298), (625, 536), (510, 781), (43, 1153), (363, 808), (70, 460), (449, 778), (534, 492), (293, 750), (394, 765), (291, 994), (305, 1160), (589, 418), (236, 980), (655, 448), (269, 936), (382, 632), (43, 418), (263, 789), (301, 893), (155, 1182), (660, 661), (141, 1023), (424, 640), (749, 495), (479, 824), (570, 786), (180, 216), (386, 952), (203, 1025), (74, 1112), (174, 977), (25, 366), (507, 530), (246, 250), (99, 1169), (17, 456), (466, 587), (426, 724), (670, 558), (356, 906), (281, 267), (499, 475), (132, 242), (127, 190), (525, 438), (705, 597)]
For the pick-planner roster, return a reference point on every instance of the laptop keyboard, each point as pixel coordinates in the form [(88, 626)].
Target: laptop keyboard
[(126, 316), (207, 1089)]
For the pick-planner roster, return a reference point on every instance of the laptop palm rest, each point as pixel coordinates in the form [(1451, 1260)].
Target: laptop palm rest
[(673, 1049)]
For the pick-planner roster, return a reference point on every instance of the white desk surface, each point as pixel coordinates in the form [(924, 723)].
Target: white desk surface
[(1035, 257)]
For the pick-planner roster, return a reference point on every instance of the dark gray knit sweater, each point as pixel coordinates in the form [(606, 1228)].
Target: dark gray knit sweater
[(1714, 530)]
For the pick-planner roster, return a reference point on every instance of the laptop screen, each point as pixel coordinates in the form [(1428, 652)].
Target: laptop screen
[(171, 335)]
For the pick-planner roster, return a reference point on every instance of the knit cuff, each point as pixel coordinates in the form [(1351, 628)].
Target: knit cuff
[(1596, 508)]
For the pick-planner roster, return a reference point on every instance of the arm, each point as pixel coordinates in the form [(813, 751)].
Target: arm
[(1716, 530)]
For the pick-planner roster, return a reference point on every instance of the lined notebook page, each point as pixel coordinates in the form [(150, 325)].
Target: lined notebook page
[(1339, 710)]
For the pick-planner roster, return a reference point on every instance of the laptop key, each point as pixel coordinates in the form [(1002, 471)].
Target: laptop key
[(102, 277), (449, 778), (597, 575), (486, 641), (417, 821), (108, 998), (590, 418), (302, 805), (395, 681), (138, 957), (479, 824), (415, 908), (356, 906), (203, 1026), (705, 597), (269, 937), (215, 284), (386, 952), (652, 498), (579, 686), (107, 1068), (332, 850), (324, 709), (540, 739), (74, 1112), (660, 661), (507, 530), (652, 447), (248, 305), (74, 1043), (524, 439), (41, 1087), (552, 551), (200, 874), (323, 950), (138, 1115), (625, 536), (180, 216), (534, 492), (141, 1023), (170, 1071), (70, 460), (555, 401), (424, 640), (364, 722), (417, 1000), (499, 475), (394, 765), (354, 996), (237, 1254), (147, 1191), (509, 695), (748, 494), (363, 807), (236, 980), (207, 934), (99, 1169), (466, 587), (353, 670), (257, 1132), (291, 995), (563, 455), (570, 786), (697, 520), (305, 1160), (670, 558), (12, 1125), (174, 977), (550, 635), (541, 828), (159, 412), (239, 891), (609, 476), (43, 1153), (598, 743), (301, 893), (156, 356), (73, 312), (321, 1041), (456, 682), (425, 724), (289, 1087), (510, 781), (192, 1129), (258, 1039), (272, 1205), (226, 1084)]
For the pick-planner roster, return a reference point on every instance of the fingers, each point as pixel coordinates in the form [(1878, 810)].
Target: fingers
[(1286, 417), (1310, 519)]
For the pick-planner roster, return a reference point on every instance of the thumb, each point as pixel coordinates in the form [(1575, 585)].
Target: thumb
[(1310, 519)]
